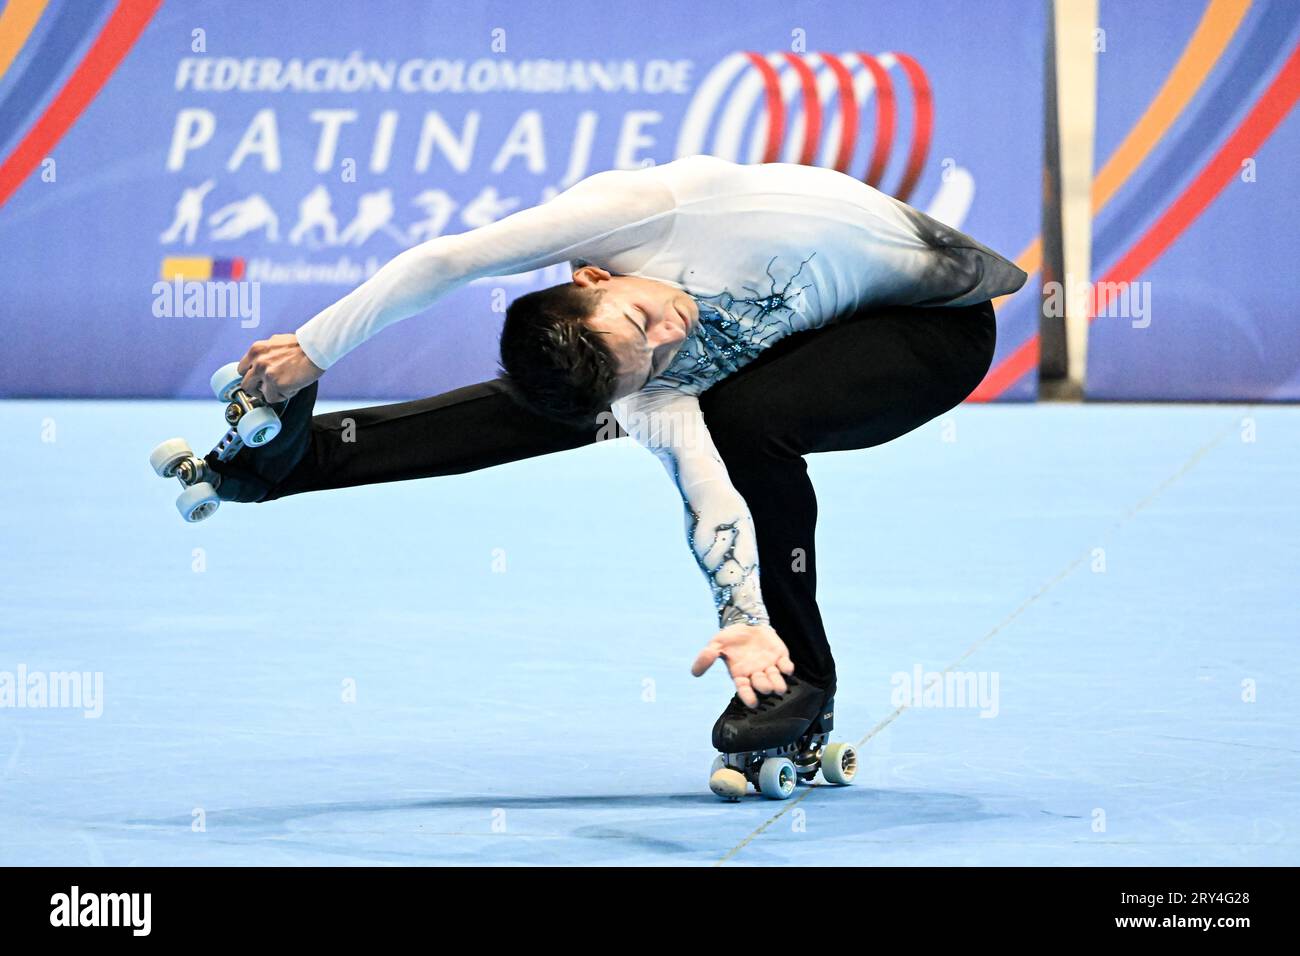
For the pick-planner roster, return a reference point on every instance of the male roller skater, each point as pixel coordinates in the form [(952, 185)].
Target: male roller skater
[(733, 318)]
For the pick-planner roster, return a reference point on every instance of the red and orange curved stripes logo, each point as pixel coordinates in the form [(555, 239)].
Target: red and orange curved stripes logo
[(1205, 49), (117, 34), (841, 85)]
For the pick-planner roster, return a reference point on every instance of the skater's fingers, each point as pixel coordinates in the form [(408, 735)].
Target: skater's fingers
[(785, 665), (762, 682), (706, 658), (252, 382), (776, 680), (251, 356), (746, 693)]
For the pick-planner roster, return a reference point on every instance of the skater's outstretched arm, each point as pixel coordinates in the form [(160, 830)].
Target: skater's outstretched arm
[(618, 213), (720, 533), (601, 214)]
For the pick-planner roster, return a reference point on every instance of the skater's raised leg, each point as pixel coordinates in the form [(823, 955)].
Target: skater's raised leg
[(463, 430), (460, 431)]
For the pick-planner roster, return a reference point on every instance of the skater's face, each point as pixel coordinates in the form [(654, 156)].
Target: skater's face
[(645, 322)]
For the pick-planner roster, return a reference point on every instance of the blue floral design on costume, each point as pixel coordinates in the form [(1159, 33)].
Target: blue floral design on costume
[(733, 331)]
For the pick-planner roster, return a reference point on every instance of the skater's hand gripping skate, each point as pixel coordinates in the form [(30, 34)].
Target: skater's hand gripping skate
[(277, 368), (755, 657)]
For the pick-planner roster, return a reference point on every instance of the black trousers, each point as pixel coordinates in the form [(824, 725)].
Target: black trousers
[(856, 384)]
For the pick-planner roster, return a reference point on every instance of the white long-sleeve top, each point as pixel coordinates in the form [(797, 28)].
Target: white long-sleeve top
[(765, 250)]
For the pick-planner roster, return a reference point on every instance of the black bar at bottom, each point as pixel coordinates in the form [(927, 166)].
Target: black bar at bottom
[(366, 904)]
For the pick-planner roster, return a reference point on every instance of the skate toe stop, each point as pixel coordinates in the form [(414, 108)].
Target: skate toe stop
[(727, 783)]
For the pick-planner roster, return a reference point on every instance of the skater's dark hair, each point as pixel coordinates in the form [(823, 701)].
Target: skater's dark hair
[(551, 361)]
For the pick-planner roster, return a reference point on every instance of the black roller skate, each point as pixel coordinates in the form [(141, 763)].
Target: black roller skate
[(252, 473), (783, 742), (225, 473)]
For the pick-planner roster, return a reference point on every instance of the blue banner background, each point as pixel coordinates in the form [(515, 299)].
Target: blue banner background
[(1222, 319), (80, 255)]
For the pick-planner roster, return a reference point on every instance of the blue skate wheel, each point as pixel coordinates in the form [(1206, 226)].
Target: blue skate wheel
[(258, 426), (839, 764), (164, 458), (225, 379), (198, 502), (777, 778)]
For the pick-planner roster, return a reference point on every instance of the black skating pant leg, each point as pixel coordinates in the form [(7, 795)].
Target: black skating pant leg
[(853, 385)]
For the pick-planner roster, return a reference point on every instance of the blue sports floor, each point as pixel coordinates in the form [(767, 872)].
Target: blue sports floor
[(494, 668)]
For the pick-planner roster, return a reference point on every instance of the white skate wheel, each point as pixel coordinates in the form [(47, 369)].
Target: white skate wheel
[(225, 379), (198, 502), (839, 763), (777, 778), (164, 459), (258, 427), (727, 783)]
